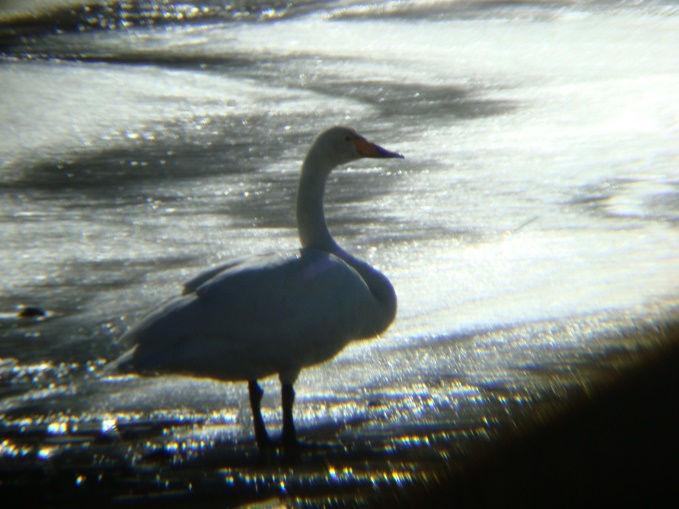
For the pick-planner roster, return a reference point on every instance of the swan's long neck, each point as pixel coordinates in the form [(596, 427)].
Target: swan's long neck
[(313, 233)]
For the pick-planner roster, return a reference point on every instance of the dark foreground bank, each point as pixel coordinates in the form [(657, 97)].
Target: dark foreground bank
[(618, 446)]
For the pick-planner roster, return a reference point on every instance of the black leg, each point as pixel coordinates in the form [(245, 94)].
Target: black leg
[(289, 437), (256, 394)]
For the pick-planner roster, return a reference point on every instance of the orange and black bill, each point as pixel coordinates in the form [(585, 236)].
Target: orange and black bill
[(369, 149)]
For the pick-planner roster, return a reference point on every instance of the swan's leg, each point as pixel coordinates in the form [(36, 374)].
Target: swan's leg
[(289, 437), (256, 393)]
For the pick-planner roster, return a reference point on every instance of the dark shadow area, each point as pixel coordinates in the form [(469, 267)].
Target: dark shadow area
[(145, 172), (125, 14), (655, 201), (406, 100), (617, 446), (163, 58), (229, 149)]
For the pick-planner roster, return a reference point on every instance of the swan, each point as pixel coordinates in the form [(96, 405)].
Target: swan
[(268, 315)]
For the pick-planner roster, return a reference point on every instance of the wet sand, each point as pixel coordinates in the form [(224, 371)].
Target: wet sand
[(614, 442)]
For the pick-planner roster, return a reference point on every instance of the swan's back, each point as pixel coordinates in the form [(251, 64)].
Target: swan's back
[(255, 318)]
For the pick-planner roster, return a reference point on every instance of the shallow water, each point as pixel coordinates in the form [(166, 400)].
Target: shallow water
[(530, 233)]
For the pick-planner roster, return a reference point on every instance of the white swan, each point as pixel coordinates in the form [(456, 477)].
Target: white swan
[(250, 319)]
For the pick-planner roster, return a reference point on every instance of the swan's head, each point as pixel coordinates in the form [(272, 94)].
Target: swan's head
[(340, 145)]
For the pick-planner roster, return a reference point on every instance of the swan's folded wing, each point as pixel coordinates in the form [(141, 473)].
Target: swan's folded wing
[(315, 294), (193, 284)]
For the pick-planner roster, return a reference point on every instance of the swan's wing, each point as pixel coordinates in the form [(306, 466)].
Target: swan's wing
[(193, 284), (256, 318), (252, 277)]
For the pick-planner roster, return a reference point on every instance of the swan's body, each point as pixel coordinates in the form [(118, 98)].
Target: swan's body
[(273, 315)]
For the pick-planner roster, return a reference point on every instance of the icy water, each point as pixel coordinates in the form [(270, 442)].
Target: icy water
[(530, 233)]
